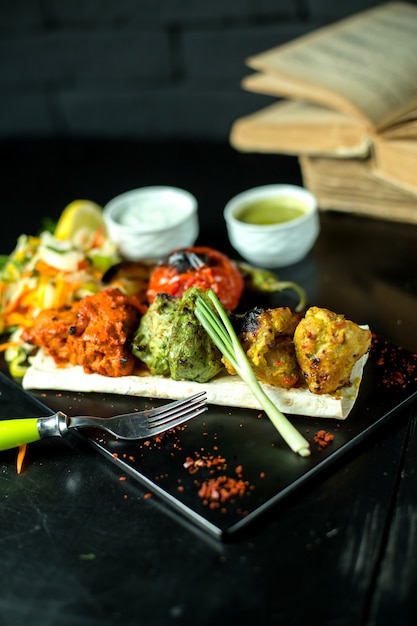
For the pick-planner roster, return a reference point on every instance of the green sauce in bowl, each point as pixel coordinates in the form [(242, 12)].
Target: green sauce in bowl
[(272, 211)]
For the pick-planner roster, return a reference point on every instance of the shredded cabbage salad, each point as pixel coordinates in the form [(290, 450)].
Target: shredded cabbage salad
[(46, 272)]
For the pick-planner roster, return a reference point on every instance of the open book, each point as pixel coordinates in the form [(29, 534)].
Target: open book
[(349, 89)]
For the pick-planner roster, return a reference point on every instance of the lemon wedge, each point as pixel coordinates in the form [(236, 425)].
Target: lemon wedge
[(78, 214)]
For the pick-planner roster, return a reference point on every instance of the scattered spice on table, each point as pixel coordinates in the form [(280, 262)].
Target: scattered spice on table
[(323, 438), (217, 488), (399, 366), (201, 460)]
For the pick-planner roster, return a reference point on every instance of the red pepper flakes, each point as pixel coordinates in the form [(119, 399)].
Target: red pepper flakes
[(216, 491), (122, 478), (147, 496), (218, 488), (207, 461), (399, 366), (323, 438)]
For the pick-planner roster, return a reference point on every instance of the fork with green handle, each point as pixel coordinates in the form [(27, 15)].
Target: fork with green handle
[(130, 426)]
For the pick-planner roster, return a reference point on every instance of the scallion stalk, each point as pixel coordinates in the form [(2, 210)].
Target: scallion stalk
[(223, 335)]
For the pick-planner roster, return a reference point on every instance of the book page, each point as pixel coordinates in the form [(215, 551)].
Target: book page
[(368, 60), (396, 161), (293, 127), (284, 87), (404, 128), (351, 186)]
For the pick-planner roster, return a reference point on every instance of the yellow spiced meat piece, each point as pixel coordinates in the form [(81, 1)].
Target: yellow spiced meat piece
[(266, 336), (327, 346)]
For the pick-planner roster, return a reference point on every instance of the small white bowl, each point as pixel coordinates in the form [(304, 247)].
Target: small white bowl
[(278, 244), (149, 222)]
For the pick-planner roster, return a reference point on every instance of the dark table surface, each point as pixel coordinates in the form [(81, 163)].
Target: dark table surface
[(79, 547)]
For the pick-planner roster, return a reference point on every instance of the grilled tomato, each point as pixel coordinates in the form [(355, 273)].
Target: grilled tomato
[(197, 266)]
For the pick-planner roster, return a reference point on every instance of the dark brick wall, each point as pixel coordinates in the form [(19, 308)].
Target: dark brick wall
[(140, 68)]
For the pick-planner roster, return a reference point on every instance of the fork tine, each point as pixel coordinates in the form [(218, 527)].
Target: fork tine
[(187, 413), (175, 415), (177, 411), (191, 414), (155, 415)]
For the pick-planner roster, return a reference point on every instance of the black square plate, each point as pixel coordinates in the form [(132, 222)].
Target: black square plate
[(225, 468)]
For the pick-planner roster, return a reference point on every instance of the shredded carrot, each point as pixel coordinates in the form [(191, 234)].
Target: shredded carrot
[(17, 319), (61, 291), (99, 237), (13, 303), (65, 292), (45, 269), (20, 458), (9, 344), (82, 265)]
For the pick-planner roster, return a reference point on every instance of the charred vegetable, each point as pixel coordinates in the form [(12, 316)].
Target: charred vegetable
[(131, 277), (198, 266), (265, 281), (171, 341)]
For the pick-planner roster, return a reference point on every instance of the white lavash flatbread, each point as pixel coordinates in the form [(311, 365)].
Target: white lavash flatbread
[(224, 390)]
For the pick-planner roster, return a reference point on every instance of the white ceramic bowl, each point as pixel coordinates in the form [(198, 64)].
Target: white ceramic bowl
[(278, 244), (149, 222)]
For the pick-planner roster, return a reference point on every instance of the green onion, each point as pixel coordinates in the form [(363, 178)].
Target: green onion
[(223, 335)]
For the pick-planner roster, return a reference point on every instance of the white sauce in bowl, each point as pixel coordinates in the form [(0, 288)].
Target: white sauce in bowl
[(149, 222), (149, 213)]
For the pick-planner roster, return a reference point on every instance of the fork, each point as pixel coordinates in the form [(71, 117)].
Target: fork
[(137, 425)]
